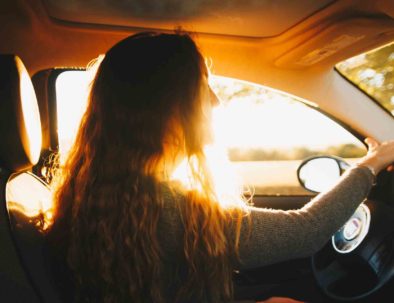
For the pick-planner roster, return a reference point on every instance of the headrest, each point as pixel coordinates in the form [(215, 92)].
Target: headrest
[(20, 126)]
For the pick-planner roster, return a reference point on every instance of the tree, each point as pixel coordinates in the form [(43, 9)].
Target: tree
[(373, 72)]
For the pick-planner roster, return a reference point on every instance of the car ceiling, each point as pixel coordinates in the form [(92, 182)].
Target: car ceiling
[(284, 34), (288, 45)]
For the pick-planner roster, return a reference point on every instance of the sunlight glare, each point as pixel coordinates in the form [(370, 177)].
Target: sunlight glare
[(261, 122), (72, 89), (35, 198), (227, 186), (31, 115)]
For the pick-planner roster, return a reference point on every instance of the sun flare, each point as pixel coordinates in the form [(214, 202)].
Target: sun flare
[(227, 185)]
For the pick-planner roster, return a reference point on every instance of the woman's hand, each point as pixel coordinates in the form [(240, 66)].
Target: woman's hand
[(379, 156)]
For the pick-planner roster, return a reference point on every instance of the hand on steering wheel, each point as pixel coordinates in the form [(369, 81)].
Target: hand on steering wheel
[(379, 156)]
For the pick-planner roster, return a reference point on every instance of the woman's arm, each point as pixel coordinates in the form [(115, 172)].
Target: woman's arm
[(274, 235), (271, 236)]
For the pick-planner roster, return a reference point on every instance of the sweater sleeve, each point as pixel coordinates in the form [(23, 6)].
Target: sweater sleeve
[(269, 236)]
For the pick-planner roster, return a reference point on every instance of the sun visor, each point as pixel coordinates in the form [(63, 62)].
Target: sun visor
[(20, 126), (249, 18)]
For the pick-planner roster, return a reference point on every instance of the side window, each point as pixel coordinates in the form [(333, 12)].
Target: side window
[(72, 89), (266, 133)]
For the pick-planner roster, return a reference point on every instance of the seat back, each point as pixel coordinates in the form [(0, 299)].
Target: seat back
[(23, 275)]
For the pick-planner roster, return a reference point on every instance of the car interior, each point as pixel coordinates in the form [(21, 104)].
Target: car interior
[(290, 47)]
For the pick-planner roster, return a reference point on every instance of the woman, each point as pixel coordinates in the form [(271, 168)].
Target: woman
[(126, 233)]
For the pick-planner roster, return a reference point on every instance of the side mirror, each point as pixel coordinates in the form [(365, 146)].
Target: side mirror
[(319, 174)]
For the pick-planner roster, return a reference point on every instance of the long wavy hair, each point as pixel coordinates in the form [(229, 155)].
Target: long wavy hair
[(146, 96)]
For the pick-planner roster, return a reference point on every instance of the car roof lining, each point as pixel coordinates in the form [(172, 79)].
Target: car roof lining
[(43, 42)]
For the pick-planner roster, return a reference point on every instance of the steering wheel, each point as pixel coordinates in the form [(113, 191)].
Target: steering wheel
[(359, 259)]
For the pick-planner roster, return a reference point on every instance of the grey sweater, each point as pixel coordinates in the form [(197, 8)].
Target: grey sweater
[(272, 236)]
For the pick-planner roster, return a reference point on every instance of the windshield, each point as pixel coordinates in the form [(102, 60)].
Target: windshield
[(373, 72)]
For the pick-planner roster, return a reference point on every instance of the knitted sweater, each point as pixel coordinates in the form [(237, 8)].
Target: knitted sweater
[(269, 235)]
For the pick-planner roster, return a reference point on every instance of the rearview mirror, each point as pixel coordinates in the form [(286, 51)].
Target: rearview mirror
[(319, 174)]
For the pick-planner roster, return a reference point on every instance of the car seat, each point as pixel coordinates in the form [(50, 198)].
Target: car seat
[(24, 198)]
